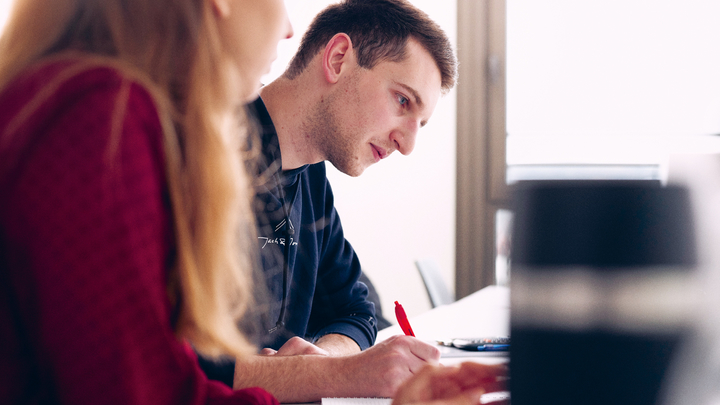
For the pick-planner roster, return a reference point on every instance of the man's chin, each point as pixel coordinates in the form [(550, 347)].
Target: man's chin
[(354, 171)]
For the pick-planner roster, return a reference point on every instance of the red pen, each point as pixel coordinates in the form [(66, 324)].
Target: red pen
[(402, 320)]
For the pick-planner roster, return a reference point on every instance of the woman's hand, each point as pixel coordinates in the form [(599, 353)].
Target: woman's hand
[(459, 385)]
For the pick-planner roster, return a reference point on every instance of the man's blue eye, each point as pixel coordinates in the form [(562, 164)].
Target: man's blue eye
[(402, 100)]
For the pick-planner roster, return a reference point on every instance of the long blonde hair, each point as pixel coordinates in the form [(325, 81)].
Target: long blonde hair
[(173, 49)]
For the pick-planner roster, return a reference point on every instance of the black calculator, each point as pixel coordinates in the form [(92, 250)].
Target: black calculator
[(483, 344)]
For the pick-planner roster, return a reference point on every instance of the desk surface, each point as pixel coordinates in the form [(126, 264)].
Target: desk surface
[(483, 313)]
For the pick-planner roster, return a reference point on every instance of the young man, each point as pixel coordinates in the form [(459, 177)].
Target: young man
[(367, 77)]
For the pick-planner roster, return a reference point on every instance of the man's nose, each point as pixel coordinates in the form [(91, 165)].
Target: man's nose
[(404, 137)]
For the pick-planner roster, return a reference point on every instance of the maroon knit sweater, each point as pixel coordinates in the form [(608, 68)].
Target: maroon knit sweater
[(85, 246)]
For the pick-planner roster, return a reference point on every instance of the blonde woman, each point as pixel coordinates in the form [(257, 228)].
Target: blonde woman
[(123, 196)]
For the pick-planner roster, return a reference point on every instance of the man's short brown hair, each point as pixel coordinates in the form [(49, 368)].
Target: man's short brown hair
[(379, 30)]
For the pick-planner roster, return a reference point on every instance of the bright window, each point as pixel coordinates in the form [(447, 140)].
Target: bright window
[(613, 85)]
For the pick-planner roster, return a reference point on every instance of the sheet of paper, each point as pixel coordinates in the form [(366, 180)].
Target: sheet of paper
[(356, 401), (494, 396), (485, 399)]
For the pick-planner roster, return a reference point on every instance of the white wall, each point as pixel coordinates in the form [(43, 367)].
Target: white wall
[(403, 208)]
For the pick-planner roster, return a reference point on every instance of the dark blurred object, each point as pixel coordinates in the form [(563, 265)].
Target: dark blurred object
[(578, 248), (603, 224)]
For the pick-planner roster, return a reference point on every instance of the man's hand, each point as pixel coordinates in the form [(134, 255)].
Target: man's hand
[(375, 372), (295, 346), (380, 370), (338, 345), (461, 385)]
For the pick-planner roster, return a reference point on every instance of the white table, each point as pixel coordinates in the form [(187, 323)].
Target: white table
[(483, 313)]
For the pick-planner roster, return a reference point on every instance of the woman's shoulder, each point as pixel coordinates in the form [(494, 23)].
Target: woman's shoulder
[(52, 87), (76, 102), (63, 78)]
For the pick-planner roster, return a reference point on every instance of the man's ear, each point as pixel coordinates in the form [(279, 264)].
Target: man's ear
[(221, 8), (337, 57)]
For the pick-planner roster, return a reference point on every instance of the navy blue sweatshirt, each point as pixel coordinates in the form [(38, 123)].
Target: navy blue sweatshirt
[(322, 291), (323, 294)]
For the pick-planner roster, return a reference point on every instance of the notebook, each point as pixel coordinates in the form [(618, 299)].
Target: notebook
[(487, 398)]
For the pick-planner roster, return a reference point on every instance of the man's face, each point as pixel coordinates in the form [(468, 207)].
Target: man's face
[(372, 113)]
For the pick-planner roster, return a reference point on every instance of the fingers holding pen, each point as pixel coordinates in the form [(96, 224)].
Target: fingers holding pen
[(414, 352), (382, 368), (428, 353)]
